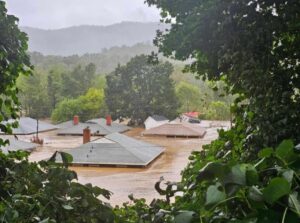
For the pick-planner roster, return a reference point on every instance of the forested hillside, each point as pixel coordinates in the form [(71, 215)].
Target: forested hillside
[(90, 39), (105, 62)]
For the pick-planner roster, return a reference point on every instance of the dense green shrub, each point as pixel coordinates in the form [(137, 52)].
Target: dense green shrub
[(88, 106), (216, 110), (47, 192)]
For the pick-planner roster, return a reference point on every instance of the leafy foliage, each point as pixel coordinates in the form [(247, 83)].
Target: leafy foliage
[(140, 89), (247, 44), (251, 172), (265, 190), (41, 192), (47, 192), (42, 92), (78, 81), (217, 110), (33, 95), (87, 106), (189, 97), (13, 62)]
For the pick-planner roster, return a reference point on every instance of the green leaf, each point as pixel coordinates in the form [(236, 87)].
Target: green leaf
[(212, 170), (66, 158), (184, 217), (288, 175), (100, 191), (285, 150), (237, 175), (214, 195), (265, 153), (255, 194), (45, 221), (294, 202), (251, 220), (277, 188), (67, 207), (251, 176)]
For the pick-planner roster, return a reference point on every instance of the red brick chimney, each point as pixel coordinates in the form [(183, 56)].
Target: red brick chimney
[(108, 120), (75, 120), (86, 135)]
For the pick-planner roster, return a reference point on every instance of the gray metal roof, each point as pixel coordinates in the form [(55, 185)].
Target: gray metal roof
[(15, 144), (114, 127), (159, 118), (116, 149), (98, 128), (28, 126), (67, 124)]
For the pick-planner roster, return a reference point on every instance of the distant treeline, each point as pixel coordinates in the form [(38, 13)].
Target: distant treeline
[(64, 86), (105, 62)]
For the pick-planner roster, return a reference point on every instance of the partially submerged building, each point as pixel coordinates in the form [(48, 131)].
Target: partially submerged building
[(190, 117), (109, 126), (115, 150), (16, 144), (154, 121), (29, 126), (185, 130), (98, 127)]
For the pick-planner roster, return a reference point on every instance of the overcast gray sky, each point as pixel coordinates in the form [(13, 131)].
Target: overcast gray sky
[(52, 14)]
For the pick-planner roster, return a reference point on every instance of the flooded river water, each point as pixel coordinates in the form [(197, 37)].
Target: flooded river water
[(124, 181)]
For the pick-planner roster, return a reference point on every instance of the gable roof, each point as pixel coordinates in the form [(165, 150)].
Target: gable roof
[(159, 118), (15, 144), (98, 127), (28, 126), (117, 150), (176, 130)]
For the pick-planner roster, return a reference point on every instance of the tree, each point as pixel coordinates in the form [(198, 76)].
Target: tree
[(88, 106), (247, 44), (13, 62), (190, 97), (54, 86), (78, 81), (140, 89), (33, 95), (217, 110), (43, 191), (243, 175)]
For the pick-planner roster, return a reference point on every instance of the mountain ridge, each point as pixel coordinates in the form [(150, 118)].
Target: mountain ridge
[(84, 39)]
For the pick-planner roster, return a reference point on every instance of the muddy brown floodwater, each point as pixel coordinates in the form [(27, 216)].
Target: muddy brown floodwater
[(124, 181)]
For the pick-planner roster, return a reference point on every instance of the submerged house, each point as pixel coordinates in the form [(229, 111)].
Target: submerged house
[(16, 144), (29, 126), (190, 117), (115, 150), (154, 121), (185, 130), (98, 127)]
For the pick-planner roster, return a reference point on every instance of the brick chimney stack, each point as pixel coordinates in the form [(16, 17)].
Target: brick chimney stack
[(108, 120), (75, 120), (86, 135)]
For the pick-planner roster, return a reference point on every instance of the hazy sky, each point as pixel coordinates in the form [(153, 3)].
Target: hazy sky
[(51, 14)]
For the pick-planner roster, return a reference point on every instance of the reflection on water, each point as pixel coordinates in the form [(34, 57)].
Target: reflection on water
[(124, 181)]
